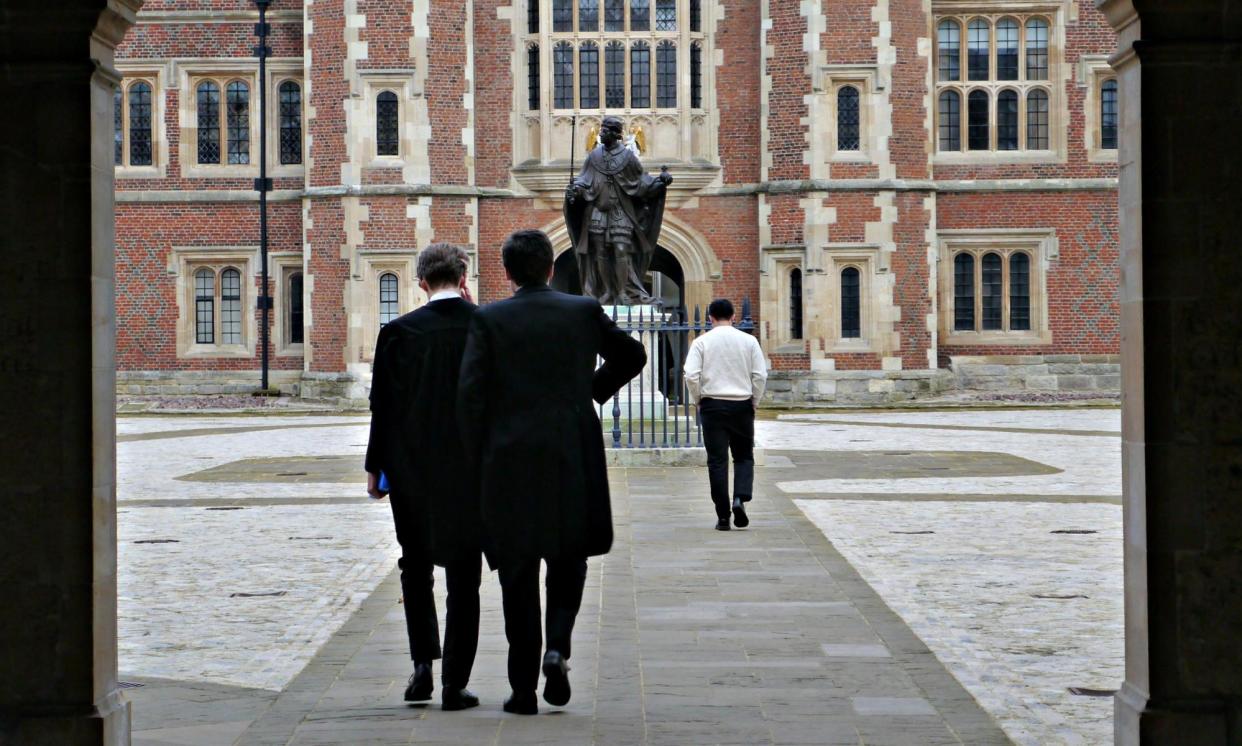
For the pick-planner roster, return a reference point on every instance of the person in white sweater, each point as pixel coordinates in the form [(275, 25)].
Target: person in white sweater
[(725, 373)]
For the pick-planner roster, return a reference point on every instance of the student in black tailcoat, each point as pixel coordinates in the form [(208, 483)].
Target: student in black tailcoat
[(525, 403), (415, 441)]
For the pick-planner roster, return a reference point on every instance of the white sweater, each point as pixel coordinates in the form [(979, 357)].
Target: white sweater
[(726, 363)]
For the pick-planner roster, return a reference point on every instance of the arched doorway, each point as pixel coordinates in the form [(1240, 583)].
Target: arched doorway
[(665, 280)]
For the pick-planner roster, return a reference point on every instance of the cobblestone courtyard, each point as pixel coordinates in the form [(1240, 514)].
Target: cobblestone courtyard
[(908, 578)]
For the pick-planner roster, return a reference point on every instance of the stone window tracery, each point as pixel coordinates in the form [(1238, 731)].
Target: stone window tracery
[(1008, 95)]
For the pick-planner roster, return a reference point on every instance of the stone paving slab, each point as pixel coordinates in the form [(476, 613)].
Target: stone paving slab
[(687, 635)]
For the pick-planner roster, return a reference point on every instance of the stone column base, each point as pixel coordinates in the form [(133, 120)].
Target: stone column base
[(1139, 720)]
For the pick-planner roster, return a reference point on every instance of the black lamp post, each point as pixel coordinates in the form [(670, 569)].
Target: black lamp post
[(263, 184)]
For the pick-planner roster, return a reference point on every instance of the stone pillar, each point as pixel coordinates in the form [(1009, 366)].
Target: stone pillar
[(58, 535), (1181, 303)]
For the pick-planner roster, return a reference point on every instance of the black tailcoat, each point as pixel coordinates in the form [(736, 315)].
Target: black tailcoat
[(525, 402), (415, 438)]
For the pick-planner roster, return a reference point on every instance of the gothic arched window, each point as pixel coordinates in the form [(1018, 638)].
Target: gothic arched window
[(964, 292), (977, 121), (991, 297), (949, 38), (588, 75), (387, 124), (208, 100), (237, 99), (851, 304), (205, 307), (140, 124), (1007, 120), (666, 75), (563, 75), (795, 303), (290, 123), (978, 52), (1007, 49), (1037, 120), (950, 121), (1108, 114), (640, 75), (389, 300), (847, 118)]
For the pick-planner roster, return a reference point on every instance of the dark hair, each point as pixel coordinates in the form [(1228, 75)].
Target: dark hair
[(720, 309), (527, 255), (442, 264)]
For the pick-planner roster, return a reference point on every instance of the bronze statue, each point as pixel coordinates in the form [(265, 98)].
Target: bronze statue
[(614, 211)]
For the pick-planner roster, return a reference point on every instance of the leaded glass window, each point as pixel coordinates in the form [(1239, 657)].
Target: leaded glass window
[(950, 121), (696, 16), (991, 298), (563, 75), (205, 307), (387, 124), (666, 15), (977, 121), (290, 123), (1007, 120), (588, 15), (238, 100), (118, 127), (795, 304), (851, 304), (696, 76), (532, 16), (297, 319), (1019, 292), (140, 124), (389, 303), (1108, 114), (964, 292), (640, 75), (977, 49), (532, 77), (588, 75), (847, 118), (614, 72), (1037, 120), (950, 50), (230, 307), (614, 15), (562, 15), (1036, 49), (208, 122), (666, 75), (640, 15), (1007, 49)]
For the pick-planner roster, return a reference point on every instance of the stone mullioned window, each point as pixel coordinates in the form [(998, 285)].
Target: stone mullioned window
[(997, 91)]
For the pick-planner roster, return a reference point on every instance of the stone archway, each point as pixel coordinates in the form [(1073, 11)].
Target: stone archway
[(693, 253)]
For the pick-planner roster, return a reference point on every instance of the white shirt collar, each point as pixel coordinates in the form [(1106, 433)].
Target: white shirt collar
[(444, 295)]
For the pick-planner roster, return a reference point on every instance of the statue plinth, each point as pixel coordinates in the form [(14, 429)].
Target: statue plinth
[(642, 397)]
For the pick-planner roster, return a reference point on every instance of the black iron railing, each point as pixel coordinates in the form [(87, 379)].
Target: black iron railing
[(654, 409)]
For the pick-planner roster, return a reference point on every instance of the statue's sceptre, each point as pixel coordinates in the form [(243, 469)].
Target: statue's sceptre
[(573, 147)]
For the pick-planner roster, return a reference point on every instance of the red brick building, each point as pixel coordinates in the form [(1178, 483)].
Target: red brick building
[(914, 195)]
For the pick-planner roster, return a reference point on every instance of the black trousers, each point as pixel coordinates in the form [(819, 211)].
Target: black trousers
[(729, 426), (519, 586), (422, 624)]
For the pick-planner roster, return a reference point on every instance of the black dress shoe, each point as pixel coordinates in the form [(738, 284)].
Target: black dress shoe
[(739, 514), (556, 685), (722, 524), (420, 686), (522, 704), (458, 699)]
